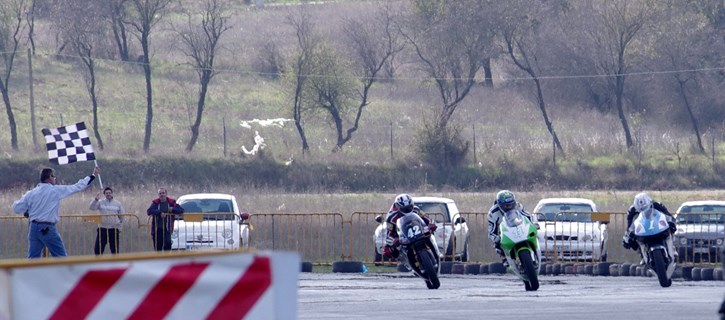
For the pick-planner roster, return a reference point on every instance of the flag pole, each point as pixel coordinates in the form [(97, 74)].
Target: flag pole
[(99, 174)]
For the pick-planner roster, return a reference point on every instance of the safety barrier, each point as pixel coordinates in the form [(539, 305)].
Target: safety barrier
[(323, 238), (182, 285)]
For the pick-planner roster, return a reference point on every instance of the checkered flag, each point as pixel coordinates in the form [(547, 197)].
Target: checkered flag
[(69, 144)]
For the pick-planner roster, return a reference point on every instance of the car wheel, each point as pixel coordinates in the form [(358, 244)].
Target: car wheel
[(464, 255), (450, 254)]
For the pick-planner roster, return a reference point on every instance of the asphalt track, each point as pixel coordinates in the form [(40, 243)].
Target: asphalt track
[(403, 296)]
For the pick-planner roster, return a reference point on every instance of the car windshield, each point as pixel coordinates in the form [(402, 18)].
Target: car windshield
[(701, 214), (435, 210), (566, 212), (213, 209)]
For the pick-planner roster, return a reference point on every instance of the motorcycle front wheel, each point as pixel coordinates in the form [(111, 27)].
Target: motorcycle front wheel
[(430, 271), (661, 268), (527, 262)]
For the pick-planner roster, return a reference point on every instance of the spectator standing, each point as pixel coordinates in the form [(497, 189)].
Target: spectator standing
[(41, 205), (109, 230), (163, 211)]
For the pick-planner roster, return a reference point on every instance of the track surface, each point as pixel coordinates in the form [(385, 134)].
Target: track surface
[(402, 296)]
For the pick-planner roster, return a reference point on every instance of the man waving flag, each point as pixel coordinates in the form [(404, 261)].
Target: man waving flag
[(69, 144)]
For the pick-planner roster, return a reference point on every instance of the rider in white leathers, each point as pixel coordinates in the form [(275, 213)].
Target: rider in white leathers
[(505, 201)]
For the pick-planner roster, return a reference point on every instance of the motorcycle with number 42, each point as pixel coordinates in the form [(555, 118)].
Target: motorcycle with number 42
[(418, 249), (521, 247), (652, 233)]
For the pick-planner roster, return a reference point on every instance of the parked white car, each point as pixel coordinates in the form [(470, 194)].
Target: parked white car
[(568, 230), (210, 221), (451, 235), (700, 232)]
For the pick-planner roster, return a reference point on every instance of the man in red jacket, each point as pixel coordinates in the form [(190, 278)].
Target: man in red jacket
[(163, 210)]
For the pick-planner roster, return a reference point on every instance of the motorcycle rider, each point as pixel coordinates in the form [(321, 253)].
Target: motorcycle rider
[(403, 205), (642, 202), (505, 201)]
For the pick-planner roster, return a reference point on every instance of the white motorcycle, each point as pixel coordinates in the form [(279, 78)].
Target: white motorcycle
[(652, 232)]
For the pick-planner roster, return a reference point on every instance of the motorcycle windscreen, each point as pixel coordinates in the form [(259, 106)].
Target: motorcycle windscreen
[(513, 217), (650, 222), (410, 227)]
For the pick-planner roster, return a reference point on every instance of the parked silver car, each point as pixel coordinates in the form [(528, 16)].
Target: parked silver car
[(700, 232), (570, 230), (451, 235)]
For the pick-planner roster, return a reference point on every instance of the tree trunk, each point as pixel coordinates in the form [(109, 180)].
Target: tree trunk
[(542, 107), (149, 106), (205, 79), (11, 117), (688, 107), (620, 109), (487, 74), (94, 102)]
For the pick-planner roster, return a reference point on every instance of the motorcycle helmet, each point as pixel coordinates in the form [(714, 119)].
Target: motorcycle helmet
[(642, 202), (506, 200), (404, 203)]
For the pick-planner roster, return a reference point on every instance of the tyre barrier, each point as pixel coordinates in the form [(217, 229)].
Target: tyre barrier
[(556, 269), (614, 270), (706, 274), (548, 269), (696, 274), (306, 267), (446, 267), (472, 269), (624, 269), (458, 268), (347, 267), (569, 269), (718, 274), (687, 272), (633, 270), (601, 269), (496, 268), (484, 269)]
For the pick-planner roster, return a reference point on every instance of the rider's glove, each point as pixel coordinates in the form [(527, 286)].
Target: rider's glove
[(673, 226), (432, 227), (625, 244), (387, 252)]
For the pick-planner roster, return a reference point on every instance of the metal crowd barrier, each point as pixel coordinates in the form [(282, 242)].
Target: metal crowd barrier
[(323, 238)]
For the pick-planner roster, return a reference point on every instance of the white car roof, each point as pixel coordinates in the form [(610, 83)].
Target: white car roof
[(432, 199), (566, 201), (701, 203), (207, 196)]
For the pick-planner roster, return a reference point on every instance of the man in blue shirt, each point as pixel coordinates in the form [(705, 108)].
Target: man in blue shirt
[(41, 204)]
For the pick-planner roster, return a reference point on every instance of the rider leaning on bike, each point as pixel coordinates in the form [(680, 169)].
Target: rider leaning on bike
[(641, 203), (403, 205), (505, 201)]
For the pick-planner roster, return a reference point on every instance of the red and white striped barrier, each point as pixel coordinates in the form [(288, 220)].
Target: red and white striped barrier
[(218, 285)]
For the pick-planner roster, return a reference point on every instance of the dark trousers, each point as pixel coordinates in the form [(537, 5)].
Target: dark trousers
[(106, 236), (162, 240)]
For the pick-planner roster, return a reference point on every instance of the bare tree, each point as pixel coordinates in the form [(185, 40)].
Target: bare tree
[(373, 42), (452, 40), (200, 45), (11, 28), (116, 11), (612, 28), (143, 17), (522, 33), (30, 20), (307, 41)]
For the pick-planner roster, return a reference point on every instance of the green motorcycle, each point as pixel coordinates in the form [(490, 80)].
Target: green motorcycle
[(521, 247)]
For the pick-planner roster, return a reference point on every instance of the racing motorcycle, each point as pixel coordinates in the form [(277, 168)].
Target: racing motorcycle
[(652, 233), (418, 249), (521, 247)]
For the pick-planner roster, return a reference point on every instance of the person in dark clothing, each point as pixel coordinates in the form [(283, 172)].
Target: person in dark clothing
[(163, 211)]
